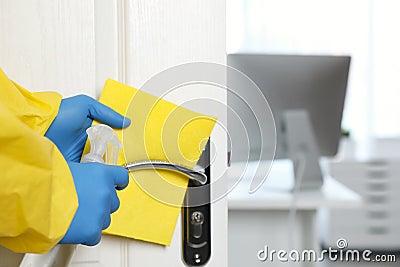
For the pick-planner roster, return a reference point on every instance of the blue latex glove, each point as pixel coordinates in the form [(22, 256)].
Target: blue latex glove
[(95, 185), (75, 115)]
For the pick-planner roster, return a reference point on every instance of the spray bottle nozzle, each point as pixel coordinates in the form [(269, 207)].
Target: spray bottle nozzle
[(103, 140)]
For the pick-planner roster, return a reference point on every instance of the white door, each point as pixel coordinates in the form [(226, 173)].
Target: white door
[(73, 46)]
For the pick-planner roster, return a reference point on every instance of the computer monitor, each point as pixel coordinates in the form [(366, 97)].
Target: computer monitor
[(299, 87)]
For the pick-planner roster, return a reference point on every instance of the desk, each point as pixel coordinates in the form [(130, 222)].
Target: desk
[(265, 217)]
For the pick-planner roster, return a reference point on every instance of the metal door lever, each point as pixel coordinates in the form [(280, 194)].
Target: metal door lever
[(197, 176)]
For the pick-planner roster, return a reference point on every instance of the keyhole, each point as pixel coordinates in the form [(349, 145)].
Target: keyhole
[(197, 220)]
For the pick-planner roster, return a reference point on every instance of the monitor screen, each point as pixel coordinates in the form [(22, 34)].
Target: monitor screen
[(316, 84)]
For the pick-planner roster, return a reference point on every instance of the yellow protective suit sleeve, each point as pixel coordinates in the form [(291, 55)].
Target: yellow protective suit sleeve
[(37, 193)]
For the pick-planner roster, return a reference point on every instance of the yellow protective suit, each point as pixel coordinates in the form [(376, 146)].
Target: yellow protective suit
[(37, 193)]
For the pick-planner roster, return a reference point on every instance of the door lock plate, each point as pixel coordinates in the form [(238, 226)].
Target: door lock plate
[(196, 219)]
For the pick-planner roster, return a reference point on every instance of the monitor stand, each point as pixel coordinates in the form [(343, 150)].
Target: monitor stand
[(303, 150)]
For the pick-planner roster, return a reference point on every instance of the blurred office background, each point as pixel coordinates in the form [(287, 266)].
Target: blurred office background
[(368, 161), (364, 29)]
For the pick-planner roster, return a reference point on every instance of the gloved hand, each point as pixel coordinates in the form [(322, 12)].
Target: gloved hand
[(75, 115), (95, 185)]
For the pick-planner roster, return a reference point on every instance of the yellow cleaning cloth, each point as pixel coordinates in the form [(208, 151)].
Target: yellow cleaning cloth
[(160, 130)]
